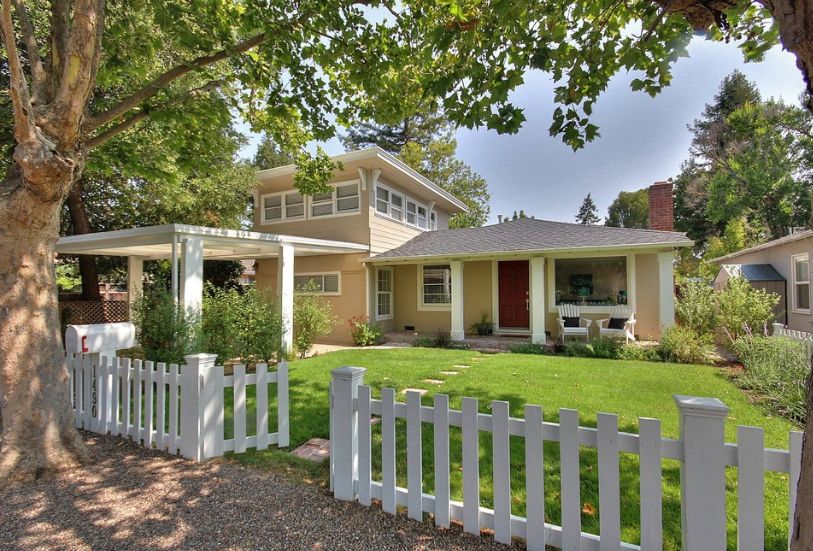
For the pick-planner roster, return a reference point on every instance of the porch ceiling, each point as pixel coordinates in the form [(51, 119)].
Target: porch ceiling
[(156, 242)]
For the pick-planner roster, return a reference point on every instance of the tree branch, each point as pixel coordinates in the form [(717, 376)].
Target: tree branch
[(153, 87), (24, 128), (104, 137), (79, 73), (31, 46)]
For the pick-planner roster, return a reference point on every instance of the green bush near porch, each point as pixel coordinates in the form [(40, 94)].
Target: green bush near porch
[(631, 389)]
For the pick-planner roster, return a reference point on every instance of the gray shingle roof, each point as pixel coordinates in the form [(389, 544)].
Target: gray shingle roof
[(798, 236), (528, 234)]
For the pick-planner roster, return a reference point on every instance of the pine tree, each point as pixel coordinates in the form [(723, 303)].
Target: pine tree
[(588, 212)]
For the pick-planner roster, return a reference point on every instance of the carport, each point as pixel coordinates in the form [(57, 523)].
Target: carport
[(188, 246)]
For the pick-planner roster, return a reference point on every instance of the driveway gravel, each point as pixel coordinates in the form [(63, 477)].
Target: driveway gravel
[(134, 498)]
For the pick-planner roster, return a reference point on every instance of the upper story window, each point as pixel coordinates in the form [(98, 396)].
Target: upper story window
[(282, 206), (286, 205), (801, 283), (401, 208)]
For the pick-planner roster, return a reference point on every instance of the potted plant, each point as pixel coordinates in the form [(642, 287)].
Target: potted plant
[(484, 327)]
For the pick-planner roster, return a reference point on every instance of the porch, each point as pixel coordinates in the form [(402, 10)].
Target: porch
[(517, 296)]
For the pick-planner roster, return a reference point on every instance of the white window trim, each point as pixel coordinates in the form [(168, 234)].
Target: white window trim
[(389, 316), (406, 199), (309, 203), (283, 206), (431, 307), (793, 259), (323, 293)]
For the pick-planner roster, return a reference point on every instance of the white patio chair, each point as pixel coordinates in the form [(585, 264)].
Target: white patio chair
[(618, 312), (581, 330)]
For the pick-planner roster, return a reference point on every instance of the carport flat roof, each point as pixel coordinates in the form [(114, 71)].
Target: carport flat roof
[(155, 242)]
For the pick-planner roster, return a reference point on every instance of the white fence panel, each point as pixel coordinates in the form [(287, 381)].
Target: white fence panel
[(780, 330), (179, 409), (701, 444)]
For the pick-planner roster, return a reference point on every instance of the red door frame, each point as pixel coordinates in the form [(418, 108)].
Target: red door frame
[(513, 284)]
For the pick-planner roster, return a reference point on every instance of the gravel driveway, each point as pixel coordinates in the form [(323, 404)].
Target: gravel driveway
[(134, 498)]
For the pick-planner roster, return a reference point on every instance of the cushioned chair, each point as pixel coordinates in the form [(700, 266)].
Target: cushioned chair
[(571, 323), (621, 323)]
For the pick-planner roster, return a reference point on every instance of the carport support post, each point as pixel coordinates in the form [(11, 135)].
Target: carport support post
[(285, 288), (192, 276), (537, 299), (344, 430), (702, 473), (666, 288), (135, 280), (458, 332)]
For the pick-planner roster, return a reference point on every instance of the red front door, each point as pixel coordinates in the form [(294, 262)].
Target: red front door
[(513, 287)]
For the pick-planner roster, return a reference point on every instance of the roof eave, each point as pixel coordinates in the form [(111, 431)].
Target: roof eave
[(526, 252)]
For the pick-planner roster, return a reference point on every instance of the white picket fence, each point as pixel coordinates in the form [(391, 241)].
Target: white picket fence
[(702, 451), (780, 330), (176, 408)]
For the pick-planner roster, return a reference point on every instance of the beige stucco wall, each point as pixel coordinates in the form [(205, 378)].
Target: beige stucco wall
[(780, 258), (353, 298), (647, 301)]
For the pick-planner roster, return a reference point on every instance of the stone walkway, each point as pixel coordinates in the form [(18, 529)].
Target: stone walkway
[(134, 498)]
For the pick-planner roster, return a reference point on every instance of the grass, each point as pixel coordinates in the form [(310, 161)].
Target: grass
[(629, 389)]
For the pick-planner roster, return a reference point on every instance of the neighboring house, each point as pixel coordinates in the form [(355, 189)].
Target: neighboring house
[(421, 276), (781, 266)]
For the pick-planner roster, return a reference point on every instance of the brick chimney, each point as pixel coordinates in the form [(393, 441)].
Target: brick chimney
[(661, 207)]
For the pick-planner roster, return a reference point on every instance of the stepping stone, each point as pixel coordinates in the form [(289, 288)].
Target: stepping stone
[(450, 373), (461, 366), (315, 449), (433, 381), (420, 391)]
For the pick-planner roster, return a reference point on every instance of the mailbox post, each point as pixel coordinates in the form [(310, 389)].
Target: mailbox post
[(99, 342)]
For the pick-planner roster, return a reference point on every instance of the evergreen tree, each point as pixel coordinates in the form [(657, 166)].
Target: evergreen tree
[(271, 155), (588, 212)]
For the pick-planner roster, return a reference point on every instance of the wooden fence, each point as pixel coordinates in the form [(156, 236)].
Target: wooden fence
[(178, 408), (701, 450)]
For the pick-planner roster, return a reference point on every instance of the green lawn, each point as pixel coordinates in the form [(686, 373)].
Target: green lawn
[(629, 389)]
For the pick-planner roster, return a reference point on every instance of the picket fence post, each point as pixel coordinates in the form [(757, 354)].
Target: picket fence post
[(702, 473), (344, 435), (201, 407)]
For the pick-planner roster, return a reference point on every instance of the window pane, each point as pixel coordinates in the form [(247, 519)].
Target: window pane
[(803, 296), (596, 281), (294, 211), (381, 206), (294, 198), (350, 190), (274, 213), (411, 206), (437, 287), (347, 204), (397, 200), (331, 284), (802, 267), (302, 281), (319, 197), (384, 304), (382, 193), (273, 201), (397, 213), (385, 280), (322, 209)]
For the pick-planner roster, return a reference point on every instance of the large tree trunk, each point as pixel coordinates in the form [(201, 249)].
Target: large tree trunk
[(803, 521), (81, 225), (38, 433)]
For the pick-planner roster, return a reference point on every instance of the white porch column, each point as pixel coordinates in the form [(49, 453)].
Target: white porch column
[(135, 280), (285, 290), (666, 286), (192, 276), (537, 298), (458, 332)]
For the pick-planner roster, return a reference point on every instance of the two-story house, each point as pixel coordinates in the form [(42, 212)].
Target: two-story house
[(415, 274)]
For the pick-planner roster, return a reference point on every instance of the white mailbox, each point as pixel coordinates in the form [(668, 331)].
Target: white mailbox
[(99, 337)]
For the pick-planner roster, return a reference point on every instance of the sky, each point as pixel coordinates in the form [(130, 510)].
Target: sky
[(643, 139)]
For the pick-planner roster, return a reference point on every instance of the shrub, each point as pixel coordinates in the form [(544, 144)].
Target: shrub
[(743, 308), (697, 307), (578, 350), (165, 331), (777, 368), (683, 345), (528, 348), (313, 318), (605, 347), (638, 353), (363, 332), (439, 339), (241, 324)]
